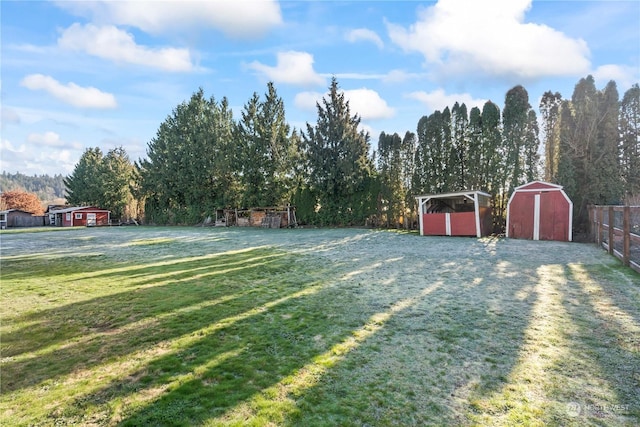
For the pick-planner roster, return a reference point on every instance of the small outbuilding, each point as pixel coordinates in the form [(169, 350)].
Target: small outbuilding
[(463, 213), (80, 216), (18, 218), (540, 211)]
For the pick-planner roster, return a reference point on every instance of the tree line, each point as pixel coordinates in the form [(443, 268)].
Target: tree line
[(46, 188), (202, 159)]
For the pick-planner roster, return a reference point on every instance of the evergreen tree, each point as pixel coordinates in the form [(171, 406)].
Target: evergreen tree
[(407, 156), (630, 142), (459, 148), (251, 155), (584, 102), (189, 169), (117, 174), (475, 154), (434, 167), (605, 166), (421, 177), (267, 154), (392, 192), (84, 185), (491, 165), (568, 159), (105, 182), (550, 111), (340, 169), (516, 131), (531, 145)]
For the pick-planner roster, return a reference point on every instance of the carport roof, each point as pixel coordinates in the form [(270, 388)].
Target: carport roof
[(469, 193)]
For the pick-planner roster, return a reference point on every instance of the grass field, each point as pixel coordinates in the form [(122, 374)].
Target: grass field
[(210, 326)]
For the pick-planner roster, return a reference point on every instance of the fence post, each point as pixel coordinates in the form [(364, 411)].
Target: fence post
[(626, 231), (599, 219), (611, 231), (596, 225)]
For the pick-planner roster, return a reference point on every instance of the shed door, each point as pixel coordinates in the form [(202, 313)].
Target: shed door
[(521, 216), (555, 220), (91, 220)]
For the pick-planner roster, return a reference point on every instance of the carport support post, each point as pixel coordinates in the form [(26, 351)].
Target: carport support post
[(626, 230), (420, 203), (476, 203)]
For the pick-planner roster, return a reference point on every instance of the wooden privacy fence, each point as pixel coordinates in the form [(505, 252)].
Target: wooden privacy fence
[(617, 229)]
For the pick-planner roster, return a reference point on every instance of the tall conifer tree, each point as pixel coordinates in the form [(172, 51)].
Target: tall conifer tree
[(340, 169), (630, 142)]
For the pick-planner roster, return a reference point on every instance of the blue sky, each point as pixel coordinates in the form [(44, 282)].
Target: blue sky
[(80, 74)]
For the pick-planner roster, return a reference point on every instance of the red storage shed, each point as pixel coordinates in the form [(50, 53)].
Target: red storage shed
[(464, 213), (540, 211)]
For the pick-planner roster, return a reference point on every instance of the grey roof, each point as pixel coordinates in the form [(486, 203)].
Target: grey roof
[(75, 208)]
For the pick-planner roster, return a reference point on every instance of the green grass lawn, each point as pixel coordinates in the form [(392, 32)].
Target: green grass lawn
[(211, 326)]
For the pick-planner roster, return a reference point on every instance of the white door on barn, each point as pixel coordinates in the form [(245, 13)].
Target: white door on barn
[(91, 220)]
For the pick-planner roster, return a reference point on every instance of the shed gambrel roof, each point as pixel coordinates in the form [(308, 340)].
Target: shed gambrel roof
[(539, 185)]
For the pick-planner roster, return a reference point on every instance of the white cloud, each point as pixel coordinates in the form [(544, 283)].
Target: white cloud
[(398, 76), (365, 102), (51, 139), (356, 76), (307, 100), (368, 104), (492, 38), (364, 34), (292, 68), (624, 76), (393, 76), (439, 99), (111, 43), (71, 93), (36, 162), (6, 145), (8, 116), (237, 18)]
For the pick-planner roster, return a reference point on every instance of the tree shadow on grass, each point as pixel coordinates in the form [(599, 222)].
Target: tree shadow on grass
[(80, 335), (427, 359), (228, 364), (425, 336), (419, 366), (605, 345)]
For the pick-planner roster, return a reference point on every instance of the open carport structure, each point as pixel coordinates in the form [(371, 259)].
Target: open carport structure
[(463, 213)]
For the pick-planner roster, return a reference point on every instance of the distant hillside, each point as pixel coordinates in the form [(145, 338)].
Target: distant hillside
[(50, 190)]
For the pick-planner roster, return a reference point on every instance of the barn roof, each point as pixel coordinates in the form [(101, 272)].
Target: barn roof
[(539, 185), (77, 208)]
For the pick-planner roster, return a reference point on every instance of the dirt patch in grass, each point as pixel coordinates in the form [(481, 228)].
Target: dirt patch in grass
[(314, 327)]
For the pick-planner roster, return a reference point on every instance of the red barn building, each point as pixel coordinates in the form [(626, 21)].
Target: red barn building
[(464, 213), (540, 211), (88, 216)]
